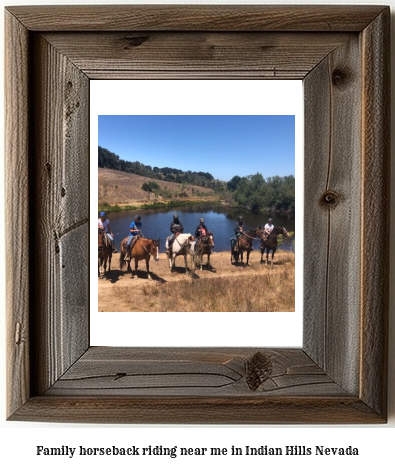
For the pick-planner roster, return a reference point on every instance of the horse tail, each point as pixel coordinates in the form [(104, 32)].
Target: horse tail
[(122, 261)]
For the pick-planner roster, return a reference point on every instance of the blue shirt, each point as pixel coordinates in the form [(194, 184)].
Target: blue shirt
[(137, 226)]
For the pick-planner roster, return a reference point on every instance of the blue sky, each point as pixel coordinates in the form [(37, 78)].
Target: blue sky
[(224, 146)]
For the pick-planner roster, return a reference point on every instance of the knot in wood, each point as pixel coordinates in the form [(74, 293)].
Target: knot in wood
[(339, 77), (330, 199), (259, 369)]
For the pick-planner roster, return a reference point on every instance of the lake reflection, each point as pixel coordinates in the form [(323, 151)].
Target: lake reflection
[(156, 223)]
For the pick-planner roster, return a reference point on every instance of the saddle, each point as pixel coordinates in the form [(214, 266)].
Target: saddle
[(172, 240)]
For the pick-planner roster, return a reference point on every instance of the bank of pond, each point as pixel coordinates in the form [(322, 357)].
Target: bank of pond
[(156, 223)]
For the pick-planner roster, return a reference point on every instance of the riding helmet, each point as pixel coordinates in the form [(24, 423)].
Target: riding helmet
[(137, 217), (270, 220), (102, 214), (240, 218), (202, 221), (175, 216)]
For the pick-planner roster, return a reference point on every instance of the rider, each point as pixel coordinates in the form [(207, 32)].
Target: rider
[(267, 230), (201, 231), (104, 224), (239, 229), (176, 227), (135, 228)]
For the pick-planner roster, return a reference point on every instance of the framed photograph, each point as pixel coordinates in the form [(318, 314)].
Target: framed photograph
[(180, 137), (339, 375)]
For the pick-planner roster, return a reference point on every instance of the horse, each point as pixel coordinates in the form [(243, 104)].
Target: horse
[(244, 243), (203, 247), (270, 243), (183, 244), (142, 249), (105, 253)]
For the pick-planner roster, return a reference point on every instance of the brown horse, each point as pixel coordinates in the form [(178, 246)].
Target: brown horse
[(203, 247), (142, 249), (105, 253), (270, 243), (244, 243)]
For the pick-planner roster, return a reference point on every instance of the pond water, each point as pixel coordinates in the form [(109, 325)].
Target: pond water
[(156, 223)]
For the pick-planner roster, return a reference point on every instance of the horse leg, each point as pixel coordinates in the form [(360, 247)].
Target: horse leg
[(186, 263), (136, 265), (147, 266)]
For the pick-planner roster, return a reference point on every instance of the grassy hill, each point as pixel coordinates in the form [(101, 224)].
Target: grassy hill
[(117, 188)]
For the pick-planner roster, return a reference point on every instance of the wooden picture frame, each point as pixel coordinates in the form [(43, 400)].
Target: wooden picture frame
[(340, 374)]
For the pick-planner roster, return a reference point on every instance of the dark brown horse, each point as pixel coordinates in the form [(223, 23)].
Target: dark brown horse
[(271, 243), (105, 253), (203, 247), (142, 249), (244, 244)]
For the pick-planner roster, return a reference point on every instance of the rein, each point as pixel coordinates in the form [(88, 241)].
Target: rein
[(146, 248), (249, 236), (186, 246)]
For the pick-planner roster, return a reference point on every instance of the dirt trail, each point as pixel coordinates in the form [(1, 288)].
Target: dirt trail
[(112, 288)]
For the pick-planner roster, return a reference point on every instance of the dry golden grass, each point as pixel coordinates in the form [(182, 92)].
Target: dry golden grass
[(225, 288), (268, 291)]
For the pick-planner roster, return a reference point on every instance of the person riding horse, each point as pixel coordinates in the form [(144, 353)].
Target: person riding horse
[(239, 229), (135, 229), (268, 228), (201, 234), (104, 224), (176, 228), (201, 230)]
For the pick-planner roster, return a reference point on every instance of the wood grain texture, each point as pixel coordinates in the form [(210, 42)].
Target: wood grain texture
[(339, 376), (191, 372), (196, 54), (196, 18), (333, 170), (198, 410), (376, 200), (17, 213), (60, 195)]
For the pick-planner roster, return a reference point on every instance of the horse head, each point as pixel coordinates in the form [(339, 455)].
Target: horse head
[(154, 249), (211, 239), (259, 232), (283, 232), (191, 242)]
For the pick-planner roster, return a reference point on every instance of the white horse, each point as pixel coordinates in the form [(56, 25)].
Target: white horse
[(183, 244)]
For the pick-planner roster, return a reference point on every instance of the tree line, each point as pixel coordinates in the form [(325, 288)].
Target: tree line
[(112, 161), (273, 194), (253, 192)]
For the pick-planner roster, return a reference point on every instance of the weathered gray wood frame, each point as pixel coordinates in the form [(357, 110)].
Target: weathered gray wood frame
[(340, 374)]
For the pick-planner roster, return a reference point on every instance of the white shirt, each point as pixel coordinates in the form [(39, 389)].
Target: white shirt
[(104, 225), (269, 227)]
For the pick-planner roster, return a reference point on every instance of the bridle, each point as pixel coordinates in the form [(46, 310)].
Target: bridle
[(150, 254)]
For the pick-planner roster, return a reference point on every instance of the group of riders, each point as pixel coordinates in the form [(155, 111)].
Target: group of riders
[(176, 228), (239, 230)]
